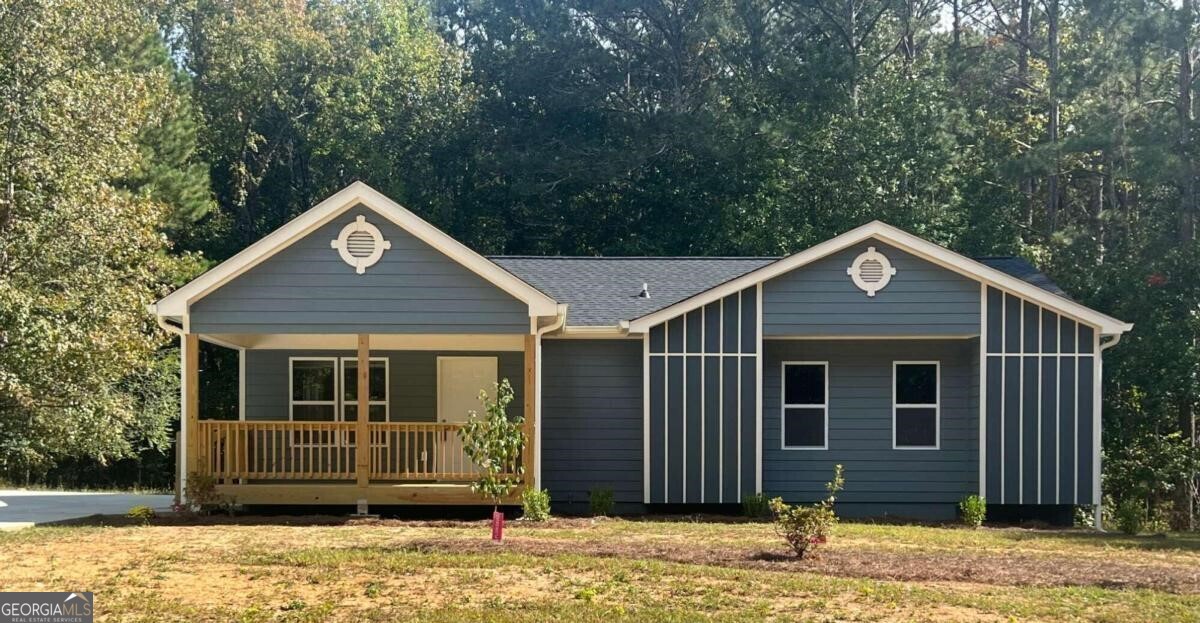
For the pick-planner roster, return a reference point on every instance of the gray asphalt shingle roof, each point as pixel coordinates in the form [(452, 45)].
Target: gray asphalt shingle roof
[(603, 291)]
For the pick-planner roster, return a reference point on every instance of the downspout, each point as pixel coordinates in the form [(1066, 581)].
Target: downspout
[(1112, 340), (560, 320)]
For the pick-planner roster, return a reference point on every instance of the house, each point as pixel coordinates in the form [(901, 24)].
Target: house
[(671, 381)]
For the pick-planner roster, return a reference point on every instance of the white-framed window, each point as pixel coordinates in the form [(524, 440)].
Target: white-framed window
[(324, 389), (916, 405), (313, 389), (804, 412)]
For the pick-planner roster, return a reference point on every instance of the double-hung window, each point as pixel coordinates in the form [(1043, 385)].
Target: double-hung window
[(916, 411), (325, 389), (805, 412)]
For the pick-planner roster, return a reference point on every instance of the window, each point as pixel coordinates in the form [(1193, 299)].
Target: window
[(378, 384), (313, 389), (915, 410), (805, 418)]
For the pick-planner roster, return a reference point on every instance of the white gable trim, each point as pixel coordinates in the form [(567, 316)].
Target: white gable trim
[(906, 242), (176, 304)]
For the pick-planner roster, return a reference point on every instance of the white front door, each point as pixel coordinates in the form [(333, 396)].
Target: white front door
[(460, 380)]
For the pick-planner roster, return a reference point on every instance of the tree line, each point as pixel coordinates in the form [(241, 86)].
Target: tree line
[(142, 142)]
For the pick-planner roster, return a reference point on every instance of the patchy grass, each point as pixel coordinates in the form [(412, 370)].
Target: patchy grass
[(318, 569)]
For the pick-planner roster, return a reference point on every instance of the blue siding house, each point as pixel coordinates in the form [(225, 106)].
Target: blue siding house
[(672, 381)]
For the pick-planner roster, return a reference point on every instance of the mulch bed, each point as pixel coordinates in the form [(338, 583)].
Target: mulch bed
[(996, 569)]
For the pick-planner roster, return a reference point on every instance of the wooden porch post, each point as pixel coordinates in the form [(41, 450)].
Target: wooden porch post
[(193, 461), (362, 441), (530, 409)]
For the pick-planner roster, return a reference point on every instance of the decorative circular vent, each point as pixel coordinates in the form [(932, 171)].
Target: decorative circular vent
[(360, 244), (871, 271)]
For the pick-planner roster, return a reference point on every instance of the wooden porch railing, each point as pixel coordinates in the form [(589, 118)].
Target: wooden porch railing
[(399, 451)]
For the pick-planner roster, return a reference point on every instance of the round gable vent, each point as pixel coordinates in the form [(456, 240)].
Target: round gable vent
[(360, 244), (871, 271)]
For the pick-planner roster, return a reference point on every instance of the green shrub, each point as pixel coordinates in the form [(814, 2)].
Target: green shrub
[(1130, 516), (756, 506), (804, 527), (973, 510), (202, 496), (141, 513), (600, 501), (535, 504)]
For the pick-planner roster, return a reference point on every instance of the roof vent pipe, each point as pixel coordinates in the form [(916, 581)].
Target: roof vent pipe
[(645, 293)]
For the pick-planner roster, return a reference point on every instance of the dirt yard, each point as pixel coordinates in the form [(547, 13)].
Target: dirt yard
[(320, 568)]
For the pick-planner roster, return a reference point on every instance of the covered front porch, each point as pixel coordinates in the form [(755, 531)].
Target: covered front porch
[(298, 438)]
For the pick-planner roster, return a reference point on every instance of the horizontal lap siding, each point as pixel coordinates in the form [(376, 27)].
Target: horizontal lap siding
[(820, 299), (307, 288), (860, 426), (592, 420), (412, 381)]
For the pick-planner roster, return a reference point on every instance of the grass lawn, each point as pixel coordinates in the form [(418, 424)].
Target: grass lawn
[(581, 570)]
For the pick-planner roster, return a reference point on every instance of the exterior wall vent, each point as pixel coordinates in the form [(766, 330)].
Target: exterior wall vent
[(360, 244), (871, 271)]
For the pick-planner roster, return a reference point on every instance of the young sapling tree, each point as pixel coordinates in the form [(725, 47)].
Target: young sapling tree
[(494, 442)]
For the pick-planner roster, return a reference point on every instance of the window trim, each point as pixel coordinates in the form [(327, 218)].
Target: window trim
[(937, 406), (337, 388), (784, 405)]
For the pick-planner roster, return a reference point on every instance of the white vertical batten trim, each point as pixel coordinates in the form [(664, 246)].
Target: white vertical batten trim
[(738, 372), (703, 385), (683, 368), (646, 417), (666, 413), (721, 409), (758, 399), (1040, 382), (1075, 459), (1021, 403), (241, 384), (1003, 385), (982, 380), (1058, 410)]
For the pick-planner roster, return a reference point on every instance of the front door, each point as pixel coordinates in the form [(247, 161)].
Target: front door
[(460, 379)]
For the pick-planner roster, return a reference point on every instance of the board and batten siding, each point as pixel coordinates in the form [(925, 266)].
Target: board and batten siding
[(412, 381), (820, 299), (702, 403), (921, 483), (307, 288), (591, 431), (1041, 409)]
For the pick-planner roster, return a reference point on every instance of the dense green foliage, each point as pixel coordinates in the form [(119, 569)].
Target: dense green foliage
[(806, 526), (1060, 130), (535, 504), (972, 510), (493, 442)]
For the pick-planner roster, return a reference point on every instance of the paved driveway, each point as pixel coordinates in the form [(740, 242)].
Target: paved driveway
[(20, 509)]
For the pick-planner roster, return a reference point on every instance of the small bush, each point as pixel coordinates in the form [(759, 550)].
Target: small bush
[(1130, 516), (600, 501), (141, 513), (973, 510), (535, 504), (756, 506), (202, 496), (806, 527)]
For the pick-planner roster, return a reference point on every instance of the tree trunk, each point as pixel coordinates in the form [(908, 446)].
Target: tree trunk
[(1023, 30), (1187, 209), (1052, 77)]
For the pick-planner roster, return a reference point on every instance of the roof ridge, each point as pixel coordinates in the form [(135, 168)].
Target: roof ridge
[(633, 257)]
